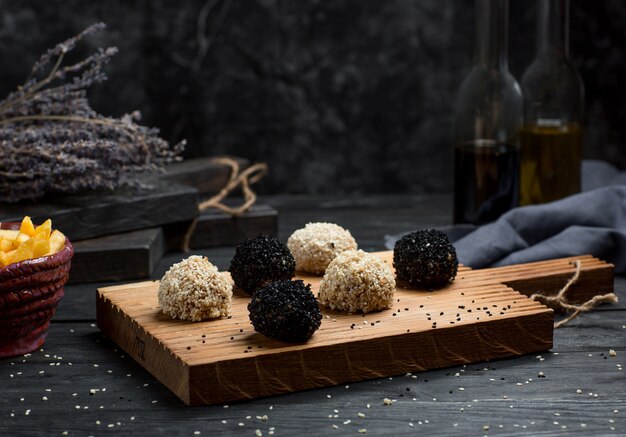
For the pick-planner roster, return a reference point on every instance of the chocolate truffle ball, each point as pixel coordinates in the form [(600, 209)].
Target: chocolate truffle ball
[(357, 281), (317, 244), (285, 310), (261, 260), (194, 289), (425, 259)]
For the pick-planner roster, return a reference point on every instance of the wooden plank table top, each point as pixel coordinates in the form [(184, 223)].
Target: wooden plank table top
[(83, 384)]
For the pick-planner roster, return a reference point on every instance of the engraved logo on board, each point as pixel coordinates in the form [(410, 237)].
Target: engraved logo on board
[(141, 347)]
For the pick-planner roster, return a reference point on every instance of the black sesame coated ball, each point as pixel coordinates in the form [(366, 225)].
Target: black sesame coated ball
[(285, 310), (425, 259), (260, 260)]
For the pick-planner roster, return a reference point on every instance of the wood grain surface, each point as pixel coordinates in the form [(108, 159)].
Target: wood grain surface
[(548, 277), (119, 257), (217, 228), (205, 175), (476, 318), (505, 395), (104, 213)]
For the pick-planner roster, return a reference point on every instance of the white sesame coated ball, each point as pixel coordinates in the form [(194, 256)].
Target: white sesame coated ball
[(317, 244), (194, 289), (357, 281)]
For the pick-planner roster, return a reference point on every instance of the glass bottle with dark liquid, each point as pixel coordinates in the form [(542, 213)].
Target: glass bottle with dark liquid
[(486, 183), (488, 119), (551, 139)]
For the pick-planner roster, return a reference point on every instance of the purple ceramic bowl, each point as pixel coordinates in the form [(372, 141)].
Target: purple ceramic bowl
[(29, 293)]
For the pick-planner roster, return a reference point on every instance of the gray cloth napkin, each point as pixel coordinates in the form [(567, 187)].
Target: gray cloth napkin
[(592, 222)]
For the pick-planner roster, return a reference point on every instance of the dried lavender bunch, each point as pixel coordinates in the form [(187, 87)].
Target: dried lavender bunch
[(52, 141)]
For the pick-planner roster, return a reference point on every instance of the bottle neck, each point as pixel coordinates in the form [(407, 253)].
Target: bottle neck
[(553, 27), (492, 20)]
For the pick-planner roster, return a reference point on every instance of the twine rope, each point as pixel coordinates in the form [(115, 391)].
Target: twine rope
[(245, 178), (559, 300)]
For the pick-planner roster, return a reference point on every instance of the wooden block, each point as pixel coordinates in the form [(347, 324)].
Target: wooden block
[(478, 318), (203, 174), (549, 277), (104, 213), (216, 228), (131, 255)]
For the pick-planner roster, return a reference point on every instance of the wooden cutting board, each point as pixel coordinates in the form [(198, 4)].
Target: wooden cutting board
[(476, 318)]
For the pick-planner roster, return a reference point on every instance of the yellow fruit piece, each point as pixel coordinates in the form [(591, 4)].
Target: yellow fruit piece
[(9, 234), (6, 244), (4, 259), (29, 242), (57, 242), (20, 239), (45, 226), (41, 248), (27, 227), (24, 251)]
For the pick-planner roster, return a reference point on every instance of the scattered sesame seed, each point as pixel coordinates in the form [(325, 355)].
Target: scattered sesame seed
[(363, 431), (612, 353), (387, 401), (361, 415)]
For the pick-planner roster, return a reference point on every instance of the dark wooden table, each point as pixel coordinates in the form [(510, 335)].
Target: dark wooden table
[(80, 383)]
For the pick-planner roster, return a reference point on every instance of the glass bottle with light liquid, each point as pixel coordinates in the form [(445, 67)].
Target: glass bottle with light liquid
[(488, 119), (551, 139)]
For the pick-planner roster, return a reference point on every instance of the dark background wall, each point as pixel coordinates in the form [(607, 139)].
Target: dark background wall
[(351, 96)]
